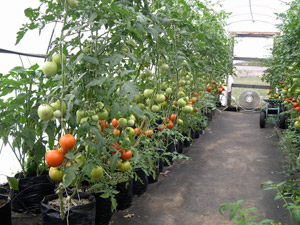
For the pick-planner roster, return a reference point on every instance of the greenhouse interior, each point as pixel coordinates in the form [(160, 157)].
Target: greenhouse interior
[(139, 112)]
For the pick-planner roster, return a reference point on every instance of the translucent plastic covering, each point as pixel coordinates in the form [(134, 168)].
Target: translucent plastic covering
[(253, 15)]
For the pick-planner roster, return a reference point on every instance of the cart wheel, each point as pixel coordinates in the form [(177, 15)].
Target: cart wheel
[(262, 119), (281, 122)]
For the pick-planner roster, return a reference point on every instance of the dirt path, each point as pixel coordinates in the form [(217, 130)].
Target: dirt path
[(227, 163)]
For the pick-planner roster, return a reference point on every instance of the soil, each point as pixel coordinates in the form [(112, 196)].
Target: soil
[(74, 202)]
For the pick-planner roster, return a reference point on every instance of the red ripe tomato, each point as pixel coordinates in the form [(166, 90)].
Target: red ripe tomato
[(196, 110), (175, 103), (173, 117), (137, 130), (170, 125), (115, 122), (54, 158), (160, 128), (67, 142), (294, 100), (296, 104), (103, 125), (213, 82), (208, 89), (125, 155), (166, 98), (195, 94), (299, 119), (297, 109), (190, 103)]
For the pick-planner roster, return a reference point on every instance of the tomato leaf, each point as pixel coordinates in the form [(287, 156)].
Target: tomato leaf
[(13, 182), (105, 195), (96, 82)]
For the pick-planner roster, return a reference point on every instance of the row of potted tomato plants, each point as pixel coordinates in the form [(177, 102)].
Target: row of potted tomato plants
[(123, 83), (283, 75)]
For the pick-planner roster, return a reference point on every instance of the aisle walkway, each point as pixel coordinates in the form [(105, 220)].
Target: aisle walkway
[(227, 163)]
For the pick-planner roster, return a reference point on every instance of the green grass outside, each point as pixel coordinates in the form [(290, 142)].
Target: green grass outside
[(247, 80)]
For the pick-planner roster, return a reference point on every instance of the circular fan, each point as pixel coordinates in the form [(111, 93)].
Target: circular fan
[(249, 99)]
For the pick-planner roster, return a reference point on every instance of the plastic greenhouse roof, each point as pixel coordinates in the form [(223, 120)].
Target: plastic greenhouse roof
[(253, 15)]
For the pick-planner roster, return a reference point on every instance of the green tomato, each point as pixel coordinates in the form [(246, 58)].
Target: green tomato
[(164, 104), (137, 98), (103, 115), (72, 3), (130, 131), (45, 112), (100, 105), (181, 94), (180, 121), (297, 125), (142, 106), (155, 108), (160, 98), (125, 166), (50, 69), (148, 93), (164, 67), (55, 173), (169, 91), (122, 122), (148, 73), (95, 118), (85, 119), (80, 114), (132, 117), (57, 114), (187, 109), (181, 82), (57, 59), (56, 105), (97, 173), (130, 123), (184, 63), (181, 102)]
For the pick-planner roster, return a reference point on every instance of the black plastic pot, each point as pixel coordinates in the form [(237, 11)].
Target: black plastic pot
[(103, 210), (160, 162), (192, 134), (179, 147), (198, 131), (140, 184), (31, 192), (170, 149), (150, 177), (5, 209), (77, 215), (186, 142), (124, 197)]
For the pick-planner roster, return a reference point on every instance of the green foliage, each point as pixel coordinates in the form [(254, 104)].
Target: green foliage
[(116, 50), (20, 129), (245, 216)]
